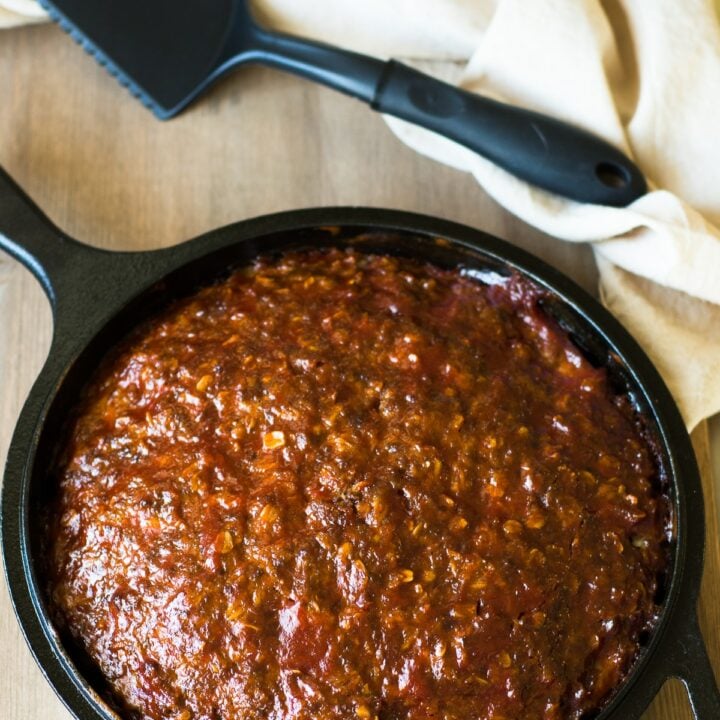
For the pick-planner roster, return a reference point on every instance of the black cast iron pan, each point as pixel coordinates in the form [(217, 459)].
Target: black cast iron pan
[(98, 296)]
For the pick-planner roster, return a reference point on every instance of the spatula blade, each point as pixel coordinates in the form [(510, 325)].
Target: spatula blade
[(162, 50)]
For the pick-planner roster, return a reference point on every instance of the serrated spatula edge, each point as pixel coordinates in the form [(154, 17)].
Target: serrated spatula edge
[(104, 61)]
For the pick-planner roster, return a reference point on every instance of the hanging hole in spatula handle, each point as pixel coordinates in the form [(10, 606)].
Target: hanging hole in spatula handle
[(613, 176), (544, 151)]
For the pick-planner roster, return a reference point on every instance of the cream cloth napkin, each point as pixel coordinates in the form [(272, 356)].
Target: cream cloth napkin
[(19, 12), (644, 75)]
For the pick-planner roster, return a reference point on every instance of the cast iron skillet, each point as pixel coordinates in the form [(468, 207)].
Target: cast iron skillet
[(98, 296)]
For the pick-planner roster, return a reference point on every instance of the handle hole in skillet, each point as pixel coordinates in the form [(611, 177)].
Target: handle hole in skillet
[(611, 175)]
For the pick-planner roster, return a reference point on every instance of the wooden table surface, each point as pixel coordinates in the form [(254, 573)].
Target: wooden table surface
[(110, 174)]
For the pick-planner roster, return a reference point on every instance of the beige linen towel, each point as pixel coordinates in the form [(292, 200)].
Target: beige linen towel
[(19, 12), (644, 75)]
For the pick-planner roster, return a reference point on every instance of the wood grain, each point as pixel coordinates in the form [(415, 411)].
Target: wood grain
[(108, 173)]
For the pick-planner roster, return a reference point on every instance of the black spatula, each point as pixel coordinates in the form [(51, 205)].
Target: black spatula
[(168, 51)]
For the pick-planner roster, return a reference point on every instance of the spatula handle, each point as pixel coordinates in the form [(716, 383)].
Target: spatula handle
[(543, 151), (349, 72)]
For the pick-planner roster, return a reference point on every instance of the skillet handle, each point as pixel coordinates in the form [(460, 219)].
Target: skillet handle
[(691, 664), (30, 237)]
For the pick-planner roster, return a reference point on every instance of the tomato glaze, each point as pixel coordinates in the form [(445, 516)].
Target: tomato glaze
[(338, 485)]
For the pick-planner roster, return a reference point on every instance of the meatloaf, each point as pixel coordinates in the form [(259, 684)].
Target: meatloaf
[(339, 486)]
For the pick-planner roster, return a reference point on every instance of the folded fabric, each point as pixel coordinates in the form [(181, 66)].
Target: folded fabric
[(19, 12), (645, 76)]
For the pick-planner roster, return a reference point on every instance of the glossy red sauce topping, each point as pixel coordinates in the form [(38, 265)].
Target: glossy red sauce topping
[(339, 486)]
